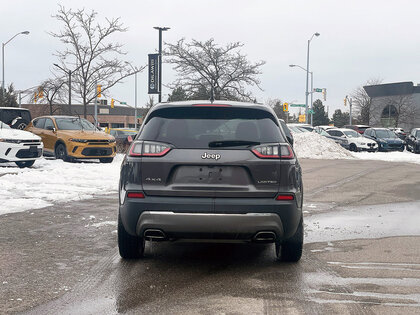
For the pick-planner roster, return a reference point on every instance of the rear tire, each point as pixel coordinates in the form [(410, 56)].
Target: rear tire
[(24, 164), (291, 249), (106, 160), (130, 247)]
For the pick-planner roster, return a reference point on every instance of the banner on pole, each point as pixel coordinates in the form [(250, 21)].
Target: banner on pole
[(153, 74)]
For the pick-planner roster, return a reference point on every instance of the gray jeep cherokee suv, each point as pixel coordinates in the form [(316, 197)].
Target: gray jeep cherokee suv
[(202, 170)]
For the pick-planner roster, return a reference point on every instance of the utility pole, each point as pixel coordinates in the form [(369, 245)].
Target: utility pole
[(160, 29)]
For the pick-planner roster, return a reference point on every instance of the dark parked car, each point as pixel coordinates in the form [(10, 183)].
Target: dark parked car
[(413, 141), (16, 118), (359, 128), (387, 140), (219, 171), (286, 131)]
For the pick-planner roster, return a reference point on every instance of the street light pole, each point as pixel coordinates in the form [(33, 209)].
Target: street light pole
[(160, 58), (69, 73), (135, 93), (312, 86), (307, 77), (2, 60)]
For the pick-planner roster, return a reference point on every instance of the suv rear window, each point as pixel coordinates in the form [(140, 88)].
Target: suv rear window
[(190, 127)]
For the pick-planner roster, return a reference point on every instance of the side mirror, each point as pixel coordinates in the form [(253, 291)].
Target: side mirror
[(51, 128)]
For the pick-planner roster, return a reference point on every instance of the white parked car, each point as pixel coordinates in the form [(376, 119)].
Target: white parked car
[(357, 142), (21, 147)]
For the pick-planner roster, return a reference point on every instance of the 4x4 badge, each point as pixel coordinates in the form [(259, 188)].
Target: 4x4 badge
[(210, 156)]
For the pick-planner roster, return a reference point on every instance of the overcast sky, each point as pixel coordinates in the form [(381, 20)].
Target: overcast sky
[(359, 40)]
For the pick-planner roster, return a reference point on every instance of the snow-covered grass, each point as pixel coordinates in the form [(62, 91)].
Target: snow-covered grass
[(51, 181), (310, 145)]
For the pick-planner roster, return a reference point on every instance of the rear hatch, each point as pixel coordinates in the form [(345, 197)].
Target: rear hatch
[(209, 151)]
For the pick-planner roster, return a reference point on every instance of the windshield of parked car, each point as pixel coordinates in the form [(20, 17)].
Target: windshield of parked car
[(202, 127), (74, 124), (351, 133), (3, 125), (381, 133)]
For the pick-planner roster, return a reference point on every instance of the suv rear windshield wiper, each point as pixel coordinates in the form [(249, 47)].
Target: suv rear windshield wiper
[(231, 143)]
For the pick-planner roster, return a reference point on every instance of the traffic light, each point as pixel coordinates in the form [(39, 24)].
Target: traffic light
[(112, 103), (35, 97), (98, 90), (345, 101), (40, 93), (324, 94), (285, 107)]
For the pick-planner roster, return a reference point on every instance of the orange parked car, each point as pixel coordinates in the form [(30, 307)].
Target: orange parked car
[(68, 138)]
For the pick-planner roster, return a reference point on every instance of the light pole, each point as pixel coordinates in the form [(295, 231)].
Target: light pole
[(160, 58), (2, 60), (135, 93), (312, 87), (69, 72), (307, 76)]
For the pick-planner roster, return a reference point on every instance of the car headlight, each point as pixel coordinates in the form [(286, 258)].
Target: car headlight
[(78, 140), (10, 140)]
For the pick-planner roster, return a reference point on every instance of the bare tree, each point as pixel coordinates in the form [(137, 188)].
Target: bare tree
[(400, 108), (206, 66), (89, 46), (362, 102), (52, 93)]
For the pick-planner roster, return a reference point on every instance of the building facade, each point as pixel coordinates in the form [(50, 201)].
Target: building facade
[(117, 117), (395, 105)]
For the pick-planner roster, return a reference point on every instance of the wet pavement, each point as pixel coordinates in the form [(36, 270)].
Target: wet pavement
[(361, 256)]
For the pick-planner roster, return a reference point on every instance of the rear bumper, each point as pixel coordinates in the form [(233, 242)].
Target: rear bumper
[(210, 218), (209, 225)]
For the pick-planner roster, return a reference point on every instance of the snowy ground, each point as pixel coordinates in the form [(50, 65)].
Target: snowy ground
[(50, 181)]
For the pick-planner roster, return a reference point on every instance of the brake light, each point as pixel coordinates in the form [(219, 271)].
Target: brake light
[(285, 197), (212, 105), (269, 151), (133, 194), (148, 148), (273, 151)]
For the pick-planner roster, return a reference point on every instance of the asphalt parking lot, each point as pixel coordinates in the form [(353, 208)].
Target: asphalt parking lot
[(64, 258)]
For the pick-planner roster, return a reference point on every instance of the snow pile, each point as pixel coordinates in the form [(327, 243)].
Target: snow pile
[(405, 156), (51, 181), (310, 145)]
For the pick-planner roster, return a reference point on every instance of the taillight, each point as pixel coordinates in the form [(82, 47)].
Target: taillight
[(273, 151), (148, 148), (135, 194), (285, 197)]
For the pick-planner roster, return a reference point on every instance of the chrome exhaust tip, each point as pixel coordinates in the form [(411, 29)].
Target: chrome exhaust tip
[(154, 235), (265, 236)]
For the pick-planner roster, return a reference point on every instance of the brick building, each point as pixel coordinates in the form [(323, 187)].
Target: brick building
[(117, 117)]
